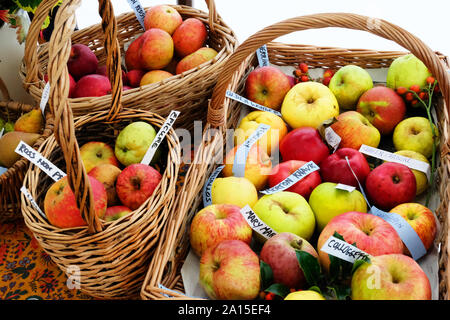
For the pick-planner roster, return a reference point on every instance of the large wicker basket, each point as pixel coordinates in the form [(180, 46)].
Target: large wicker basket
[(222, 111), (109, 259), (188, 92)]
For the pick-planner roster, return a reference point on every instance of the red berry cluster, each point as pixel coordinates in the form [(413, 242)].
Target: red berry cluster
[(414, 91), (301, 74)]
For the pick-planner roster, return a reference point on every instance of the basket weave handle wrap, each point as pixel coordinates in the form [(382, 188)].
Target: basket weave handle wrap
[(384, 29), (59, 51)]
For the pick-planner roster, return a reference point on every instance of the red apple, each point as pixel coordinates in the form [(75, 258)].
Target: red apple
[(190, 36), (101, 70), (304, 187), (132, 54), (82, 61), (390, 184), (371, 234), (134, 77), (156, 50), (61, 207), (279, 252), (136, 183), (107, 174), (383, 107), (304, 144), (94, 153), (267, 86), (216, 223), (72, 84), (116, 212), (335, 168), (92, 85)]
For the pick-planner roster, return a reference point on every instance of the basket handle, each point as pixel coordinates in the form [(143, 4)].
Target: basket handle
[(382, 28), (59, 50)]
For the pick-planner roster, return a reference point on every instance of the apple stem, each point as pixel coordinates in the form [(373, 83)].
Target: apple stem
[(297, 244)]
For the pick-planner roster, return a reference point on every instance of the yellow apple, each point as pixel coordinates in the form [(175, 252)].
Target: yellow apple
[(304, 295), (234, 190), (308, 104)]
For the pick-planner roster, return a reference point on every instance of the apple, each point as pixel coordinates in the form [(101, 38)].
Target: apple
[(327, 202), (304, 187), (190, 36), (390, 277), (286, 211), (163, 17), (82, 61), (133, 142), (195, 59), (156, 50), (234, 190), (230, 271), (136, 183), (304, 144), (270, 141), (101, 70), (309, 104), (107, 174), (92, 85), (257, 166), (134, 77), (279, 252), (348, 84), (383, 107), (133, 54), (390, 184), (61, 208), (154, 76), (406, 71), (371, 234), (216, 223), (267, 86), (116, 212), (421, 219), (304, 295), (94, 153), (355, 130), (335, 167), (415, 134)]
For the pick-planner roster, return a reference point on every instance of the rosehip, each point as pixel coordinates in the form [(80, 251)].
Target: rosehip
[(298, 73), (409, 96), (415, 88), (269, 296), (326, 81), (401, 90), (328, 73), (303, 66), (423, 95), (430, 80), (414, 102), (304, 78), (436, 88)]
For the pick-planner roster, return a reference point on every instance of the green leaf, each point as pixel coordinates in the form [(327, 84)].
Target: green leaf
[(310, 267), (278, 289), (359, 263), (316, 289), (266, 274)]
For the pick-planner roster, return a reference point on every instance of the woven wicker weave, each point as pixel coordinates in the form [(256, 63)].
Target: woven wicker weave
[(109, 258), (221, 115)]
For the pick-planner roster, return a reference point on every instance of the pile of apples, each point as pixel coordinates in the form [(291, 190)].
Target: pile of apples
[(169, 46), (119, 182), (306, 214)]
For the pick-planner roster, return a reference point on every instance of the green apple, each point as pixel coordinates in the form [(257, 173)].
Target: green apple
[(327, 202), (406, 71), (9, 127), (348, 84), (286, 211), (133, 142), (415, 134)]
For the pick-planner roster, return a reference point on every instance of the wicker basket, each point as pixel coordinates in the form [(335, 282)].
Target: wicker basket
[(169, 258), (187, 92), (11, 180), (110, 258)]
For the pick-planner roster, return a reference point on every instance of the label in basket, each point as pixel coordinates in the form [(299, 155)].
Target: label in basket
[(1, 132), (241, 99), (44, 97), (256, 223), (263, 56), (240, 158), (167, 125), (3, 170), (343, 250), (33, 203), (345, 187), (139, 11), (332, 138), (292, 179), (36, 158), (404, 231), (207, 199), (392, 157)]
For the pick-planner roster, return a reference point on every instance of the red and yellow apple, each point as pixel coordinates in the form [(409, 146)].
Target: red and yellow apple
[(163, 17), (116, 212), (133, 54), (234, 190), (190, 36), (195, 59), (107, 174), (154, 76), (156, 50), (94, 153)]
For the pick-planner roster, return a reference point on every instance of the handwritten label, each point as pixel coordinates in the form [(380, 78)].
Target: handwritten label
[(44, 97), (343, 250), (240, 158), (292, 179), (167, 125), (139, 11), (408, 235), (32, 201), (36, 158), (256, 223), (332, 138), (207, 198), (263, 56), (241, 99), (345, 187)]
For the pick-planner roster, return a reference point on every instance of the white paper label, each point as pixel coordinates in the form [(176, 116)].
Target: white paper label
[(3, 170), (407, 233), (343, 250), (44, 97), (240, 158), (241, 99), (207, 198), (263, 56), (36, 158), (33, 203), (139, 11), (167, 125), (1, 132), (256, 223), (292, 179), (345, 187), (332, 138)]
